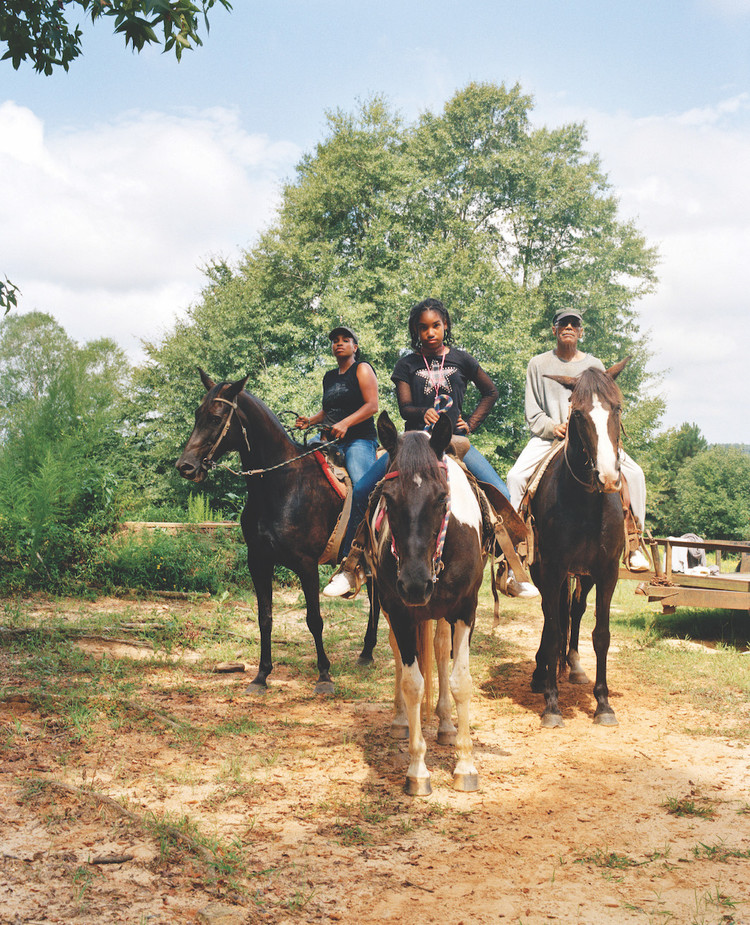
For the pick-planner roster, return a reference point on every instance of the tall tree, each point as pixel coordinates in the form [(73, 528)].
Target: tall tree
[(504, 222)]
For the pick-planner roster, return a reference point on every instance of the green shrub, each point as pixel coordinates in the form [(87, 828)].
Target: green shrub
[(159, 561)]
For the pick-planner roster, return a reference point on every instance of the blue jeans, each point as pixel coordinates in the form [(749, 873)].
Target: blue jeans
[(474, 462), (359, 455)]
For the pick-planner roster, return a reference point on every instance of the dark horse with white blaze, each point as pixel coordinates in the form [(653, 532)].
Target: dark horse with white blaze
[(291, 508), (578, 518), (428, 562)]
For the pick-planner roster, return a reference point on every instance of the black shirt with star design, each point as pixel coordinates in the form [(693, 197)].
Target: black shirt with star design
[(416, 382)]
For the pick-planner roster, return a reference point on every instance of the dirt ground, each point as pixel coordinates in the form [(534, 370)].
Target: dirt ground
[(300, 800)]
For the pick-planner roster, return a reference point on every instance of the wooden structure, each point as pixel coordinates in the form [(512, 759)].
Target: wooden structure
[(730, 590)]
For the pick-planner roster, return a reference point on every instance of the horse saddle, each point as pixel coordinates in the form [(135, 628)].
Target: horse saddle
[(338, 479)]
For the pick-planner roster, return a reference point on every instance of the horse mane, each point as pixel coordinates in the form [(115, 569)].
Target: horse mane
[(416, 456), (261, 406), (594, 381)]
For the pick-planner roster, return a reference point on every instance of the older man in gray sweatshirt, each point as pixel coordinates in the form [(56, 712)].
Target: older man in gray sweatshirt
[(546, 406)]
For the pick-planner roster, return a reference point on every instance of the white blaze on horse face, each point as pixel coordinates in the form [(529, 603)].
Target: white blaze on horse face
[(606, 453), (464, 505)]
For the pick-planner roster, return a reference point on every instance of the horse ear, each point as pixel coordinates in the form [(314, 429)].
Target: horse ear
[(614, 371), (441, 435), (387, 433), (236, 387), (206, 380), (570, 382)]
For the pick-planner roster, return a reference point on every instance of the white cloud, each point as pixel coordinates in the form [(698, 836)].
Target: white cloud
[(682, 177), (106, 228)]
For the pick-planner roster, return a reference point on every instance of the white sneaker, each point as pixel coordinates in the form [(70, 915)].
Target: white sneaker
[(339, 584), (638, 562), (520, 588)]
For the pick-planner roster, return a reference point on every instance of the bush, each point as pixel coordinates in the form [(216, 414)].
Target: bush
[(159, 561)]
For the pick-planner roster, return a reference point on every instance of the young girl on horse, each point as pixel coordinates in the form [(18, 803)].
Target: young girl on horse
[(431, 379), (350, 401)]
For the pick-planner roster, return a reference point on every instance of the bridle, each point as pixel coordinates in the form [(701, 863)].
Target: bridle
[(437, 563), (208, 461), (593, 487)]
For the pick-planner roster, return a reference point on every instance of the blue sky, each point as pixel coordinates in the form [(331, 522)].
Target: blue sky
[(119, 179)]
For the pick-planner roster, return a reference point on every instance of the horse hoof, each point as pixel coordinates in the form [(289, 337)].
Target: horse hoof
[(418, 786), (537, 687), (605, 719), (399, 732), (466, 783), (446, 737), (365, 661), (552, 721), (324, 687), (578, 677), (257, 689)]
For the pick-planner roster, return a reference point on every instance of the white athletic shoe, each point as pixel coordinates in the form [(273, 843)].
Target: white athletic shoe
[(339, 584), (520, 588), (638, 562)]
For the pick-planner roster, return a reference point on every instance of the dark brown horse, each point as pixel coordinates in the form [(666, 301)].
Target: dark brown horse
[(578, 517), (291, 508), (428, 562)]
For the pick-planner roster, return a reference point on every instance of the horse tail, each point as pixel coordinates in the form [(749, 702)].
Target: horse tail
[(425, 633), (565, 601)]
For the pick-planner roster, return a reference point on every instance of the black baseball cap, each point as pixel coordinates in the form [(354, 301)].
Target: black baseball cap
[(343, 329), (566, 313)]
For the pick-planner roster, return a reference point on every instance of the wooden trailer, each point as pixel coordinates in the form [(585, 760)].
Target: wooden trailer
[(730, 590)]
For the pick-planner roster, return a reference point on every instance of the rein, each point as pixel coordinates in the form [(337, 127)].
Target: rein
[(209, 463), (437, 560)]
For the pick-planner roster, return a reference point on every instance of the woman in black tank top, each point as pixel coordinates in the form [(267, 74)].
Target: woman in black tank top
[(350, 401)]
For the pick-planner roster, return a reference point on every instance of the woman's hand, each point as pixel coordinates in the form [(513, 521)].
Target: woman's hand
[(302, 423), (462, 427), (431, 416), (339, 430), (561, 430)]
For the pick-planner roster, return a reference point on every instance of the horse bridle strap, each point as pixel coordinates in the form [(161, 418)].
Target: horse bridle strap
[(437, 559), (208, 460), (209, 463)]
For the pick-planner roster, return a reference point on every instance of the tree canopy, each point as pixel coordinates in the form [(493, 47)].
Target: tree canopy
[(504, 222), (42, 31)]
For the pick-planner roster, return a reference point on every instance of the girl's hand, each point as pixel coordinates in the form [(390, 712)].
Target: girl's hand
[(431, 416), (462, 426), (561, 430), (302, 423), (339, 430)]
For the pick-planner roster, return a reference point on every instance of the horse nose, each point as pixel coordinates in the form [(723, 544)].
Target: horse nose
[(610, 482), (188, 470), (414, 591)]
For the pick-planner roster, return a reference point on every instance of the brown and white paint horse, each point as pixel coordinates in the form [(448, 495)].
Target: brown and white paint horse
[(428, 561), (578, 518)]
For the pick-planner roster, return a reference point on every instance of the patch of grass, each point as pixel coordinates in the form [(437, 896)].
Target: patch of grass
[(242, 726), (610, 860), (719, 852), (693, 805)]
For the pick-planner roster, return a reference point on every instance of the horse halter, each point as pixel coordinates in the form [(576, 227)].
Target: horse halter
[(437, 559), (594, 486), (208, 461)]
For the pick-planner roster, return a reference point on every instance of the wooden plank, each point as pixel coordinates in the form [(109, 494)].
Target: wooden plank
[(726, 581), (697, 597), (726, 545), (135, 526)]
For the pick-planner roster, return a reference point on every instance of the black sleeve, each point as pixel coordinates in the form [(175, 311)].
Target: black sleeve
[(489, 393), (411, 413)]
